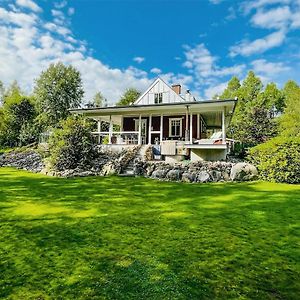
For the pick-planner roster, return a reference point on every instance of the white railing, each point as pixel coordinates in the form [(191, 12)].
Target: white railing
[(118, 137)]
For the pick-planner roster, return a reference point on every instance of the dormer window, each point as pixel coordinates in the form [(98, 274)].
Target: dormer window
[(158, 97)]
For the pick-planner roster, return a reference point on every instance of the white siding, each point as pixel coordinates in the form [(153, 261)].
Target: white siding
[(159, 86)]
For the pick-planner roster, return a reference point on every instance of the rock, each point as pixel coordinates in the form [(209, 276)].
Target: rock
[(225, 175), (203, 176), (159, 174), (26, 160), (173, 175), (243, 172), (108, 169), (149, 153), (215, 175), (188, 177)]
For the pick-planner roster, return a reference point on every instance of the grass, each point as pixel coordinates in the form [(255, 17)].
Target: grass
[(135, 238)]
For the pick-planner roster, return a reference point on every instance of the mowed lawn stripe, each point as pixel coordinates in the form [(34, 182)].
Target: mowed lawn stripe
[(137, 238)]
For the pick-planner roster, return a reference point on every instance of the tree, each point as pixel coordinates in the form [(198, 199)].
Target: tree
[(58, 89), (98, 101), (72, 144), (2, 91), (247, 95), (17, 125), (272, 99), (290, 120), (129, 97), (232, 89)]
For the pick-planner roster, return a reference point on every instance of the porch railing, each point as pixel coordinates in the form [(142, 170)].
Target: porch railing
[(118, 137)]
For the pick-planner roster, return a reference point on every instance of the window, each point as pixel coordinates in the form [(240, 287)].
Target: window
[(175, 127), (158, 97)]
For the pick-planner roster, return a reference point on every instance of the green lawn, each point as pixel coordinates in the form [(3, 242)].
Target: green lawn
[(135, 238)]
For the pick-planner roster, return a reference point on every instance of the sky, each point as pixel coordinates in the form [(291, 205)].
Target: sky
[(118, 44)]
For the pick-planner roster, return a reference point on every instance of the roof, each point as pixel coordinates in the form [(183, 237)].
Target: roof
[(152, 85), (210, 110), (207, 105)]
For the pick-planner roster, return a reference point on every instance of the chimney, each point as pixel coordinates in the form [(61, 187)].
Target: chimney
[(176, 88)]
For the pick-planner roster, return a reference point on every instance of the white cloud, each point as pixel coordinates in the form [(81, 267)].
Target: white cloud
[(155, 70), (275, 18), (281, 15), (215, 90), (57, 29), (203, 64), (17, 18), (60, 4), (29, 4), (247, 48), (264, 67), (30, 47), (139, 59), (248, 6)]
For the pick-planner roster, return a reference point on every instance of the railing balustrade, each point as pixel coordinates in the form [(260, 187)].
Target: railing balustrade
[(117, 137)]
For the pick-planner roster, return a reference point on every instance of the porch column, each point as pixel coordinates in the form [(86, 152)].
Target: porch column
[(149, 129), (186, 134), (140, 130), (161, 127), (122, 122), (191, 128), (110, 130), (99, 130), (198, 126), (223, 127)]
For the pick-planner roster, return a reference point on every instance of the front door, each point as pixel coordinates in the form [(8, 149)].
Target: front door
[(144, 129)]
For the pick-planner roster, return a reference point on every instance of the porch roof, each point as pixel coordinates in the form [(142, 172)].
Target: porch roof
[(209, 109)]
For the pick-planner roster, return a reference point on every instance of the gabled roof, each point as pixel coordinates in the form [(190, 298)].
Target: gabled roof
[(158, 79)]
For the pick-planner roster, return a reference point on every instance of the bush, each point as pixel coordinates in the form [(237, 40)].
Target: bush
[(72, 145), (278, 159)]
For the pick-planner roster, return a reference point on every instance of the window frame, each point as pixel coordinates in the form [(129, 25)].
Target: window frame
[(159, 97), (170, 127)]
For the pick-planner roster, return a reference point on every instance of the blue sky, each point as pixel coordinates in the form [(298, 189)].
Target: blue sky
[(119, 44)]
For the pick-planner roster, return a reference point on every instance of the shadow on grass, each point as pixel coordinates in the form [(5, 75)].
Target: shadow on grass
[(129, 238)]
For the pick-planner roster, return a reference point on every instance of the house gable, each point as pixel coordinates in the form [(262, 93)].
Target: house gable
[(158, 92)]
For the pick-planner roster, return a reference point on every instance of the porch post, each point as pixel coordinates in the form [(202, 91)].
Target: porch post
[(149, 129), (122, 122), (161, 127), (140, 130), (198, 126), (186, 134), (110, 131), (223, 127), (99, 130), (191, 128)]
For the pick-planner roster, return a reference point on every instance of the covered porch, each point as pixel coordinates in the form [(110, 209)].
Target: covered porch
[(180, 129)]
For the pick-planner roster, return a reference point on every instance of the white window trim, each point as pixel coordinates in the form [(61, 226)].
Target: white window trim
[(170, 127)]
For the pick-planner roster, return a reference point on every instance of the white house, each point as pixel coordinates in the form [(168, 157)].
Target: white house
[(177, 124)]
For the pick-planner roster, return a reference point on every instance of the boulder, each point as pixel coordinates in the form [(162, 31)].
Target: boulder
[(215, 175), (243, 172), (203, 176), (188, 177), (108, 169), (174, 175), (159, 174)]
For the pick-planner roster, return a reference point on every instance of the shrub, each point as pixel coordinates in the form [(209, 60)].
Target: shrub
[(278, 159), (71, 145)]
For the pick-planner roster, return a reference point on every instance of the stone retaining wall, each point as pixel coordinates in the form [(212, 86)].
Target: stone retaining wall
[(109, 163)]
